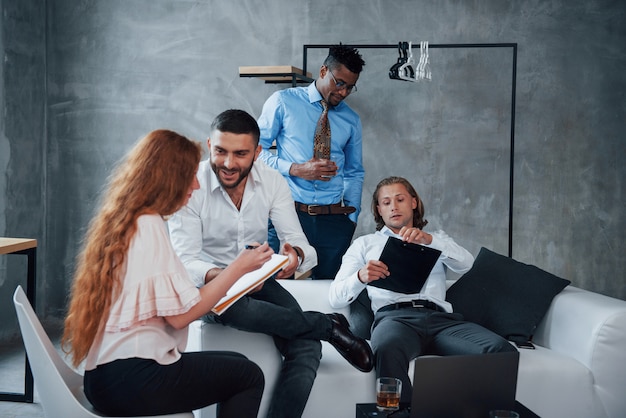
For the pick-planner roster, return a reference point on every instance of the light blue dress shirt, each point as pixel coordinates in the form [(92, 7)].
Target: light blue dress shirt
[(289, 117)]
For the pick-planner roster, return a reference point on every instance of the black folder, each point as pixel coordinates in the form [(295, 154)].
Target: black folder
[(409, 266)]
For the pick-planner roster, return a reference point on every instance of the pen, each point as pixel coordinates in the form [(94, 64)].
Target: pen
[(251, 247)]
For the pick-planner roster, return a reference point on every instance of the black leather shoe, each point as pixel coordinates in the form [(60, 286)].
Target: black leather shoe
[(354, 349)]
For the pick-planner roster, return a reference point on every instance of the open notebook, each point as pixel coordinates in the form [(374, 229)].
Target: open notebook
[(249, 281)]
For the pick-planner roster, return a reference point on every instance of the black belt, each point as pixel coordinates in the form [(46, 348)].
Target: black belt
[(334, 209), (425, 304)]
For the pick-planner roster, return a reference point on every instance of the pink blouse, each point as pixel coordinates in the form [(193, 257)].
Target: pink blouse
[(155, 284)]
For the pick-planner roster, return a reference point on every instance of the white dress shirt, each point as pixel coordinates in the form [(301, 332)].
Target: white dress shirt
[(210, 232), (347, 286)]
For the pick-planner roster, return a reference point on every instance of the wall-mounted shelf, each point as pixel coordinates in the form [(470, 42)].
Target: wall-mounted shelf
[(276, 74)]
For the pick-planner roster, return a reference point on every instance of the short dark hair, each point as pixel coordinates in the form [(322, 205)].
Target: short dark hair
[(348, 56), (237, 122)]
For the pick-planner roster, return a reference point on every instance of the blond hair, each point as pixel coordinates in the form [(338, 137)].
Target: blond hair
[(154, 177)]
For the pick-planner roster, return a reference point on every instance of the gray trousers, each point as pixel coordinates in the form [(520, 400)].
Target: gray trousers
[(401, 335)]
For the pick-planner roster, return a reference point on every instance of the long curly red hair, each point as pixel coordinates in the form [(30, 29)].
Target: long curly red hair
[(154, 177)]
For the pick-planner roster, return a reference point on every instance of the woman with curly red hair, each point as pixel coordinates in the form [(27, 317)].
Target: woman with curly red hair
[(132, 299)]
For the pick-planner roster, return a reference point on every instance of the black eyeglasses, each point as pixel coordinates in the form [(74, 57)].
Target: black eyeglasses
[(340, 85)]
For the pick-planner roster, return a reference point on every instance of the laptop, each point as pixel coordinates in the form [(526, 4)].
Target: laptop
[(464, 386)]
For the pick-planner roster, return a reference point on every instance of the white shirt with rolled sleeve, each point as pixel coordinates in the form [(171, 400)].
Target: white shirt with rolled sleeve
[(347, 286), (210, 232)]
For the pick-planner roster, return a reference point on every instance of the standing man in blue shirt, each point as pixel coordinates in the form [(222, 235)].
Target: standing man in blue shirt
[(327, 187)]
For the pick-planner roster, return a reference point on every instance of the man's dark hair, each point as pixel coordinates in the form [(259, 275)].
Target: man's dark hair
[(237, 122), (342, 54)]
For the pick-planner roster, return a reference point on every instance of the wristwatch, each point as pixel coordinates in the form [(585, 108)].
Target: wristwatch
[(300, 254)]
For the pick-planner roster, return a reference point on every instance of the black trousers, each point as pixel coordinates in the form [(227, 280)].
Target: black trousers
[(297, 334), (133, 387)]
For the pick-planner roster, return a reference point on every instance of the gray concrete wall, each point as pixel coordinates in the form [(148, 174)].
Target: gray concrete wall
[(22, 142), (118, 69)]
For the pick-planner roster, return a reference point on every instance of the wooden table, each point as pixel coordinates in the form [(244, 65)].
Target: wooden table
[(28, 247)]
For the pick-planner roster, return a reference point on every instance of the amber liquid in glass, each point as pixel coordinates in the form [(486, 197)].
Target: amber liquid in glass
[(388, 401)]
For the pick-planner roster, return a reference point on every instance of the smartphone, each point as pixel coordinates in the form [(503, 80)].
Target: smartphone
[(527, 345)]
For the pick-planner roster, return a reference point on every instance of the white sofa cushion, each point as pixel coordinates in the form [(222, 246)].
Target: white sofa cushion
[(553, 385), (591, 328)]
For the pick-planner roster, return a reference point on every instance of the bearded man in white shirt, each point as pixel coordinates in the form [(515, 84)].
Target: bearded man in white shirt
[(405, 325), (230, 211)]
